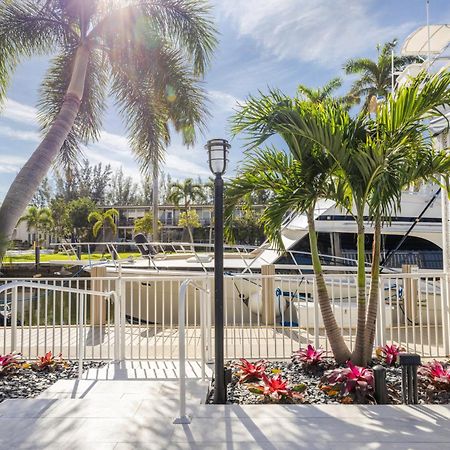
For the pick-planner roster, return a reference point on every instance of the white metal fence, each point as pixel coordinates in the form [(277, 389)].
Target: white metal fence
[(266, 316)]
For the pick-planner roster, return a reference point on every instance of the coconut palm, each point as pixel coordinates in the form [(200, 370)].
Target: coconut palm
[(186, 193), (149, 53), (38, 220), (105, 221), (375, 76), (320, 94)]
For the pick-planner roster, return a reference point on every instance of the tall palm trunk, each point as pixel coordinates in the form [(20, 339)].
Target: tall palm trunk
[(33, 172), (373, 294), (340, 350), (358, 351)]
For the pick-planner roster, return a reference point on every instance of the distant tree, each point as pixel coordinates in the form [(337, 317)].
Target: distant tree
[(38, 220), (105, 222), (189, 220), (43, 195), (375, 76), (145, 224), (247, 228), (185, 193), (78, 212), (123, 190), (61, 221)]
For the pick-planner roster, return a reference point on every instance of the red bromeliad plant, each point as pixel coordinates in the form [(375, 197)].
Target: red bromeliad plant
[(276, 389), (250, 372), (9, 363), (49, 362), (389, 354), (351, 380), (437, 374), (309, 356)]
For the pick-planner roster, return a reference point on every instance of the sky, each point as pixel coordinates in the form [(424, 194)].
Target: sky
[(262, 44)]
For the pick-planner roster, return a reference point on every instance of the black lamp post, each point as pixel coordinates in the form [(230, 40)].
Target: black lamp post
[(218, 158)]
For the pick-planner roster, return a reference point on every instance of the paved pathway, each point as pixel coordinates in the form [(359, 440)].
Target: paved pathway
[(129, 407)]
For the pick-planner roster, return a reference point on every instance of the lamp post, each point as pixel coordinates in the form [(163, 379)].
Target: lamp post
[(218, 158)]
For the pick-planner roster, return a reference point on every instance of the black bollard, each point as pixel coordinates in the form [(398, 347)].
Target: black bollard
[(409, 363), (379, 375), (37, 256)]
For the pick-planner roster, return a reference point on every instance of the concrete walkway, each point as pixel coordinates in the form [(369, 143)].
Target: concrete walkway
[(117, 413)]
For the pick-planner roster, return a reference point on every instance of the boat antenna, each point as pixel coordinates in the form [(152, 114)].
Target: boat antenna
[(391, 253), (428, 33)]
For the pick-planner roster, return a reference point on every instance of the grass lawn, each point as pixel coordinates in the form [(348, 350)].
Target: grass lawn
[(29, 258)]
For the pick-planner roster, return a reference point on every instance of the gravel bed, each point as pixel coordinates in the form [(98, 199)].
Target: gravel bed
[(295, 373), (27, 383)]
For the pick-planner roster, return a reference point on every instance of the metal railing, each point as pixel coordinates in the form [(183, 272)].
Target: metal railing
[(266, 316)]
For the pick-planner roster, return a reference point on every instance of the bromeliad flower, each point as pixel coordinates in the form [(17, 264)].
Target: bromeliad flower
[(389, 354), (354, 380), (9, 363), (250, 372), (309, 356), (276, 389), (437, 374)]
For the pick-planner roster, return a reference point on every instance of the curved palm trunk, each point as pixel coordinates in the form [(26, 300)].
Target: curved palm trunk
[(358, 351), (372, 309), (340, 350), (33, 172)]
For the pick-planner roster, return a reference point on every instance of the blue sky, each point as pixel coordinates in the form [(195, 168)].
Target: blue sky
[(277, 43)]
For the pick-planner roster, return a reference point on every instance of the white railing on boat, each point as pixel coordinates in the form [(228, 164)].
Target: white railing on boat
[(266, 316), (247, 254)]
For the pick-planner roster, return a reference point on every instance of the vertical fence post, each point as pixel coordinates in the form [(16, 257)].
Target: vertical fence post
[(268, 296), (445, 313), (14, 308), (81, 299), (209, 321), (116, 298), (183, 418), (203, 299), (122, 312)]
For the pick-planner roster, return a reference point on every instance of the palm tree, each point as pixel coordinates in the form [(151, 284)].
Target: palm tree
[(186, 192), (369, 156), (295, 183), (404, 146), (149, 53), (326, 92), (38, 220), (375, 76), (105, 221)]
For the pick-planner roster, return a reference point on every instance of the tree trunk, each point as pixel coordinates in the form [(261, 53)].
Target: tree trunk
[(358, 351), (338, 346), (372, 309), (35, 169)]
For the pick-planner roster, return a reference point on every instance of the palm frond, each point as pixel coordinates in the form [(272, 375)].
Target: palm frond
[(88, 123), (185, 23)]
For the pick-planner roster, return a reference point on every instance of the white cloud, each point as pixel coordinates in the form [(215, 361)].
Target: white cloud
[(10, 163), (224, 100), (323, 31), (19, 112), (22, 135)]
